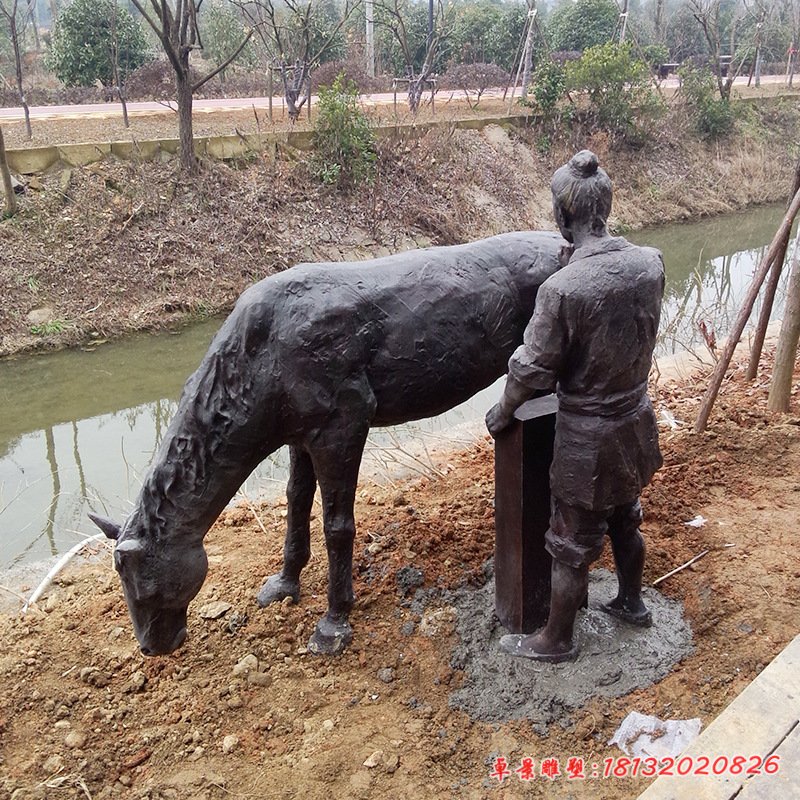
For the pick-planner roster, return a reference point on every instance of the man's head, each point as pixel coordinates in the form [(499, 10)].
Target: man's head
[(581, 196)]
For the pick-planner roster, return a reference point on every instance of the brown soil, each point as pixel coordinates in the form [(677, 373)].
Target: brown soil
[(119, 246), (83, 714)]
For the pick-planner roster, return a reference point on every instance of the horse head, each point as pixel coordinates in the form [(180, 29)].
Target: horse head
[(158, 584)]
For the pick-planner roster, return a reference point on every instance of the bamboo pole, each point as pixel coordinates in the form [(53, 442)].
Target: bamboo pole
[(744, 314), (770, 291)]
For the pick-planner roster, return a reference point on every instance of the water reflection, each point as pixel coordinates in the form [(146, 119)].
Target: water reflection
[(710, 265), (79, 428)]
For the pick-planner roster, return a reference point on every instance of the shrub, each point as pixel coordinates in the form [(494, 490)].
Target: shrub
[(474, 78), (712, 117), (621, 97), (154, 80), (352, 70), (344, 145), (549, 85), (87, 35)]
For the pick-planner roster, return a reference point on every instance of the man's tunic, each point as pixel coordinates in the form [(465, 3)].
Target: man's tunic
[(591, 338)]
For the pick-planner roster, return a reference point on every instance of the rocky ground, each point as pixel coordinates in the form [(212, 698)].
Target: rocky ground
[(243, 710)]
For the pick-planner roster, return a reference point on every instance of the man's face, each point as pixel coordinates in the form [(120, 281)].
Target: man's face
[(561, 221)]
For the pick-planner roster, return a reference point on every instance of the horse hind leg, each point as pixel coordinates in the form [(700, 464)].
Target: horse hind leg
[(297, 545)]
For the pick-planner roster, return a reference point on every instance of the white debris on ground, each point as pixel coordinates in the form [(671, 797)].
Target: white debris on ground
[(643, 736)]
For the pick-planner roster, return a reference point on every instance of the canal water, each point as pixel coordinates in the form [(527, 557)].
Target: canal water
[(80, 427)]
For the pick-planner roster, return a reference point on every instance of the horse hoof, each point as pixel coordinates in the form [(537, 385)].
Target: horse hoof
[(277, 589), (330, 638)]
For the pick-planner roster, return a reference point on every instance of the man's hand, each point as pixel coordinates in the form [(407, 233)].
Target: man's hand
[(498, 418)]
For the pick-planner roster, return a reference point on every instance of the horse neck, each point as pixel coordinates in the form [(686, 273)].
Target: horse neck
[(221, 432)]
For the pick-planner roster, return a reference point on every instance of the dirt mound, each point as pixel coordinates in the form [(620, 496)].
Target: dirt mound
[(242, 710)]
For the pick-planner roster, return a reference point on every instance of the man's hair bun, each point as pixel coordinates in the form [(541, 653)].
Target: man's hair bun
[(584, 164)]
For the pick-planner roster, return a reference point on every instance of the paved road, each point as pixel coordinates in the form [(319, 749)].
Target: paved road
[(246, 103), (146, 108)]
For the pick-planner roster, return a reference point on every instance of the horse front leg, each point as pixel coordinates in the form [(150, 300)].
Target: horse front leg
[(337, 471), (297, 546)]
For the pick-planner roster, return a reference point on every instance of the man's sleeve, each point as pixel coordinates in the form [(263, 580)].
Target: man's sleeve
[(537, 362)]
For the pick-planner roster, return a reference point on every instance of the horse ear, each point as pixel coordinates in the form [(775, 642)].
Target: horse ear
[(109, 528)]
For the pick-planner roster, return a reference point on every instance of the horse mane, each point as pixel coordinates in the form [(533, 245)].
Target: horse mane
[(201, 448)]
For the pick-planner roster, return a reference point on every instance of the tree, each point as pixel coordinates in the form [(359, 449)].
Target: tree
[(581, 25), (222, 30), (97, 40), (87, 36), (179, 35), (474, 79), (418, 47), (683, 36), (718, 21), (507, 34), (473, 39), (15, 21), (298, 35)]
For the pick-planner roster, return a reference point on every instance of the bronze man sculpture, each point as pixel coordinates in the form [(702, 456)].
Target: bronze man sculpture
[(313, 357), (591, 338)]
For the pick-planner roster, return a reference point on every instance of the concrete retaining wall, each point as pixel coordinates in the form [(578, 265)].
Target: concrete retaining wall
[(36, 160)]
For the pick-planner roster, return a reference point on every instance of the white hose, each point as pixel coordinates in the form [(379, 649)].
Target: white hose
[(58, 566)]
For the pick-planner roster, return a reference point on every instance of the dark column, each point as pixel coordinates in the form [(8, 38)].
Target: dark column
[(523, 453)]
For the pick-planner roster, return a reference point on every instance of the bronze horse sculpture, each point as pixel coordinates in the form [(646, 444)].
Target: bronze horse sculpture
[(313, 357)]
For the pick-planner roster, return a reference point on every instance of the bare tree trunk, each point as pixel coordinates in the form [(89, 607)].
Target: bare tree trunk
[(124, 102), (741, 320), (15, 36), (122, 98), (370, 37), (11, 198), (185, 134), (415, 88), (780, 390), (34, 20), (659, 22)]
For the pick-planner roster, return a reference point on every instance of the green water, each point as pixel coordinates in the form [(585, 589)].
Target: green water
[(79, 428)]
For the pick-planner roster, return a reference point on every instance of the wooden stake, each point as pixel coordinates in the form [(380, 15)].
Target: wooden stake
[(744, 314), (769, 292), (780, 390)]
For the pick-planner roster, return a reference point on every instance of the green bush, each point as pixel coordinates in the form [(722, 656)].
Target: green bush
[(222, 32), (549, 85), (344, 145), (86, 36), (712, 117), (618, 86), (583, 24)]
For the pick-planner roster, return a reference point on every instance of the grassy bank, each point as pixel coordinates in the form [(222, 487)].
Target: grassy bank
[(120, 246)]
